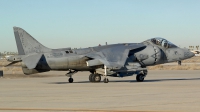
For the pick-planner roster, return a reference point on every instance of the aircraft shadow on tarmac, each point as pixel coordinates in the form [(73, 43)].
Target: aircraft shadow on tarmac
[(130, 81)]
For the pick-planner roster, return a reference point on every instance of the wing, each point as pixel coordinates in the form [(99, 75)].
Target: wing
[(114, 57)]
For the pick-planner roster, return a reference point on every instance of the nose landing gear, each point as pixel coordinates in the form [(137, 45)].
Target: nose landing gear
[(140, 77), (69, 74), (71, 80)]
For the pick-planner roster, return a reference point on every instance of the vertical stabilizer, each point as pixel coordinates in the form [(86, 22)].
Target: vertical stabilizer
[(26, 44)]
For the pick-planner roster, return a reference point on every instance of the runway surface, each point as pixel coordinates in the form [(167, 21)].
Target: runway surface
[(174, 64), (161, 91)]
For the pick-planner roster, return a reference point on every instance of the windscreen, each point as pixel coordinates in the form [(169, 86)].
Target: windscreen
[(163, 42)]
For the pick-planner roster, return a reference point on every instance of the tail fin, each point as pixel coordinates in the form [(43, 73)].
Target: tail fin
[(26, 44)]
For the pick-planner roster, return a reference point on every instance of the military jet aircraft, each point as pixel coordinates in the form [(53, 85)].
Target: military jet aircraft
[(117, 60)]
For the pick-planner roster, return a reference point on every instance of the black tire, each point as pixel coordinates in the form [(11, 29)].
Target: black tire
[(71, 80), (140, 78), (106, 80), (179, 62), (90, 77), (96, 78), (145, 72)]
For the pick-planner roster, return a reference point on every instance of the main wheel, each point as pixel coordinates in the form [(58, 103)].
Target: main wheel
[(71, 80), (90, 77), (106, 80), (96, 78), (140, 77)]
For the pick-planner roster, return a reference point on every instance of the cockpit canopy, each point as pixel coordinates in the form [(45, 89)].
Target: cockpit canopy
[(162, 42)]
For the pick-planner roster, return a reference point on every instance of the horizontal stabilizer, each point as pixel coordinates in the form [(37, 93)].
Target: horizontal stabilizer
[(31, 61), (11, 63)]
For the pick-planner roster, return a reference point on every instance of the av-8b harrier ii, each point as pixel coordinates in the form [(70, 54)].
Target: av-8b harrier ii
[(118, 60)]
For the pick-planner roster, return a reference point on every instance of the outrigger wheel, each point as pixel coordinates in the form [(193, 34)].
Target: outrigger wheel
[(106, 80)]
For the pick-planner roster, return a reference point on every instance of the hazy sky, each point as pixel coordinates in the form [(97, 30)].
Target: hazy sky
[(85, 23)]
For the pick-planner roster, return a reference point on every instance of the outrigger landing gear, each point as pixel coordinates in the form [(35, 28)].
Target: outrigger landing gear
[(105, 79), (140, 77)]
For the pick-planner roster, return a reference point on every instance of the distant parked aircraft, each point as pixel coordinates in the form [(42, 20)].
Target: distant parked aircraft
[(196, 52)]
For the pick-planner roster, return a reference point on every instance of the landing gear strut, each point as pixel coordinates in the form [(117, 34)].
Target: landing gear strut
[(140, 77), (69, 74), (94, 77), (105, 79)]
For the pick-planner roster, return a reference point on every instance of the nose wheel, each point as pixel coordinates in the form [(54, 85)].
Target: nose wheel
[(69, 74), (179, 62)]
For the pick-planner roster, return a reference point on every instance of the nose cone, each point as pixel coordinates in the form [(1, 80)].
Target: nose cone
[(188, 54), (191, 54), (178, 54)]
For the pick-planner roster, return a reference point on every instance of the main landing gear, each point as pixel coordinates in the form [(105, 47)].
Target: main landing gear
[(95, 77), (141, 75)]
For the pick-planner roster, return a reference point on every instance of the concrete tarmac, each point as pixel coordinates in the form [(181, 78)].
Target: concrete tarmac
[(161, 91), (173, 64)]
